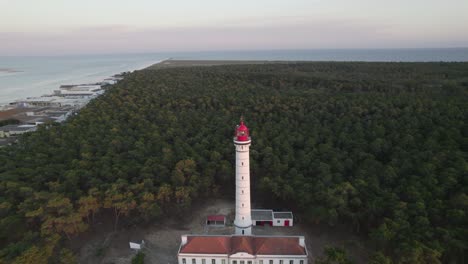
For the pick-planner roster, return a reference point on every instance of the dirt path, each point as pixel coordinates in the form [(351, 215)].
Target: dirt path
[(162, 240)]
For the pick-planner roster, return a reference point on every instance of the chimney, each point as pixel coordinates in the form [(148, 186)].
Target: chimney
[(302, 241), (184, 239)]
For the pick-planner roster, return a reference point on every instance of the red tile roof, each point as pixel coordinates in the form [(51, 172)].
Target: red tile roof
[(205, 244), (215, 218), (242, 244), (278, 245), (254, 245)]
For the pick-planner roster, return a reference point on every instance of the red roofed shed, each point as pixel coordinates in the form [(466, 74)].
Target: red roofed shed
[(216, 220)]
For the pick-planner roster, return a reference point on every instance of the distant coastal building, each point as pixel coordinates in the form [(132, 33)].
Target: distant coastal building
[(27, 114), (15, 130), (79, 90), (243, 247)]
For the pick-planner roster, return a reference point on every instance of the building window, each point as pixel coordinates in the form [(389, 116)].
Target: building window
[(242, 191), (242, 205), (249, 262), (223, 261), (194, 261), (203, 261), (278, 221), (281, 261), (301, 261), (271, 261), (234, 262), (242, 262), (291, 262), (242, 218), (260, 261), (213, 261), (184, 261), (242, 177), (242, 163)]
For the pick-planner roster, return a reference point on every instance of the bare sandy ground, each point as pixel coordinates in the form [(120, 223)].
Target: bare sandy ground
[(163, 239)]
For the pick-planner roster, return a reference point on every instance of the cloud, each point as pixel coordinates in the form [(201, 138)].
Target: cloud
[(269, 33)]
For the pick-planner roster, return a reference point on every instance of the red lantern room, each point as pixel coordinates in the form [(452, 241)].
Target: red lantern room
[(242, 132)]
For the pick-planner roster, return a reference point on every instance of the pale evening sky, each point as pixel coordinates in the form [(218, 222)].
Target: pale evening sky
[(32, 27)]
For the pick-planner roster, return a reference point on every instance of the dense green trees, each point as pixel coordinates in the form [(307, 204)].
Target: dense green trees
[(379, 146)]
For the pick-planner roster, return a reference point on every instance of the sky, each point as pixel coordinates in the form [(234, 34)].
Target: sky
[(50, 27)]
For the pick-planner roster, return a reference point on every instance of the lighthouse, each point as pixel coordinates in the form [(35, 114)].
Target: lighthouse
[(243, 219), (242, 246)]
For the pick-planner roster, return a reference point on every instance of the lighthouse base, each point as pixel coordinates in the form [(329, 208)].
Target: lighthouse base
[(243, 230)]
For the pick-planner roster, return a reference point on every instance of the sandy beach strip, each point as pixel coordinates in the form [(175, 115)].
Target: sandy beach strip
[(8, 70), (172, 63)]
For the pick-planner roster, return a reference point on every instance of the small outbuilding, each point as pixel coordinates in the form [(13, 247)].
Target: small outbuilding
[(283, 219), (261, 217), (216, 220)]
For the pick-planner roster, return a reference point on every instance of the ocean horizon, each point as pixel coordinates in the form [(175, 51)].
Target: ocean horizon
[(29, 76)]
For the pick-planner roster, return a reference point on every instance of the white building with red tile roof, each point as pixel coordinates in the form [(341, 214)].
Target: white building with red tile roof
[(235, 249)]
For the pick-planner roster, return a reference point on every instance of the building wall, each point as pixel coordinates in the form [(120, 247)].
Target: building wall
[(280, 222), (199, 259), (242, 260), (277, 260)]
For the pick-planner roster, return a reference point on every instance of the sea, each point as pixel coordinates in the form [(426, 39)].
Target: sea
[(30, 76)]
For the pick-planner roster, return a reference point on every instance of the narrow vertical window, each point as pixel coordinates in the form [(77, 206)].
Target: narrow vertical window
[(194, 261), (301, 261), (213, 261), (291, 262), (203, 261), (184, 261), (271, 261), (223, 261)]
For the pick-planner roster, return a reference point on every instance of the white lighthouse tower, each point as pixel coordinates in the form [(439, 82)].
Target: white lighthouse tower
[(243, 220)]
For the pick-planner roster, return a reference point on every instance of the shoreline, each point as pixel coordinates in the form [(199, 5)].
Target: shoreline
[(6, 105)]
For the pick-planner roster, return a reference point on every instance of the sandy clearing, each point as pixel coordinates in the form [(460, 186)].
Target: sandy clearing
[(163, 239)]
